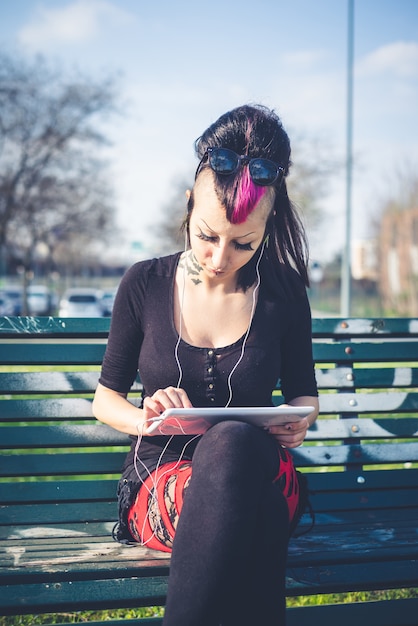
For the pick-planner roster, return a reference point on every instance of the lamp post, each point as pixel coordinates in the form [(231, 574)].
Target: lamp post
[(346, 259)]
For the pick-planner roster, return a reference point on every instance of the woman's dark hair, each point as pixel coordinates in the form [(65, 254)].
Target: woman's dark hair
[(257, 132)]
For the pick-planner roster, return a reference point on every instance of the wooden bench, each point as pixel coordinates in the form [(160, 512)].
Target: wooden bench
[(59, 468)]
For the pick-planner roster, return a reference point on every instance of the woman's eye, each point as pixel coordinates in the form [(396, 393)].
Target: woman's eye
[(214, 239), (242, 246), (206, 237)]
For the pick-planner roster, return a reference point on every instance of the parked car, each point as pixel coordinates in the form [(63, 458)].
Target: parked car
[(39, 300), (108, 298), (6, 305), (14, 295), (81, 302)]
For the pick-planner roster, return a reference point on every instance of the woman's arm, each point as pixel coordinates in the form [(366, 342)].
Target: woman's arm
[(113, 408), (292, 434)]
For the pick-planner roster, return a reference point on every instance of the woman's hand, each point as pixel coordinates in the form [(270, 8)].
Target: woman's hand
[(162, 399), (292, 434), (114, 409)]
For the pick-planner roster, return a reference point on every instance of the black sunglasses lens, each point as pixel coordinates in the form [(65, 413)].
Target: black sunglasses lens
[(263, 172), (223, 161)]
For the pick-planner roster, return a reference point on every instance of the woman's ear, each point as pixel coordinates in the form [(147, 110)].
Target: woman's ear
[(188, 194)]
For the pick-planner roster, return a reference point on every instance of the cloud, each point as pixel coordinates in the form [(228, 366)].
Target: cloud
[(399, 59), (302, 59), (73, 23)]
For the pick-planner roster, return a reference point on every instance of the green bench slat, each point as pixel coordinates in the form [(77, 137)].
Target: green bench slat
[(45, 410), (386, 402), (364, 428), (383, 554), (61, 464), (77, 354), (321, 483), (363, 327), (97, 594), (342, 577), (375, 479), (12, 327), (61, 512), (57, 491), (50, 409), (400, 612), (92, 353), (125, 592), (349, 377), (32, 353), (386, 544), (353, 519), (68, 435), (22, 531), (354, 454), (364, 510), (111, 462), (373, 403), (367, 499), (324, 523), (85, 382), (321, 327), (94, 435), (43, 382), (365, 352), (93, 560)]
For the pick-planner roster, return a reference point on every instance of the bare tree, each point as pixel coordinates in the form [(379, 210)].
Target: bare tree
[(314, 165), (395, 228), (53, 182), (169, 230)]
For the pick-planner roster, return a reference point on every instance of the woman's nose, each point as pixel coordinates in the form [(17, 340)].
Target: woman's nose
[(219, 257)]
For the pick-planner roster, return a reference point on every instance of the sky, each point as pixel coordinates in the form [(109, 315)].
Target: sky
[(180, 64)]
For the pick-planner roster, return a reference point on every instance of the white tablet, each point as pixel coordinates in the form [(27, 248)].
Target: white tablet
[(197, 421)]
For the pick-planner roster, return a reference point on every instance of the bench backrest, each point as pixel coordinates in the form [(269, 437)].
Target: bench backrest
[(53, 451)]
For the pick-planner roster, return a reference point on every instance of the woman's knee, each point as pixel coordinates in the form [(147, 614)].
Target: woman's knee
[(240, 444)]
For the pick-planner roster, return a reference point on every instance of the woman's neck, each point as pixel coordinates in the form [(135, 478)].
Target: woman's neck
[(195, 275)]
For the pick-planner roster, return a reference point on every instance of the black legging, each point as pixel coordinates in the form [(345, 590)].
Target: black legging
[(229, 553)]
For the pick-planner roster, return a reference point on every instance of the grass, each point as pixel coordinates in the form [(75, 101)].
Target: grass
[(353, 596), (83, 617)]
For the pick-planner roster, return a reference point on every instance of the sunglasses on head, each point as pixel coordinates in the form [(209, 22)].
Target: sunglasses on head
[(224, 161)]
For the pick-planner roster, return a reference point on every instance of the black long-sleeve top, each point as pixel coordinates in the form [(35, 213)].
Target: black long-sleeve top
[(143, 338)]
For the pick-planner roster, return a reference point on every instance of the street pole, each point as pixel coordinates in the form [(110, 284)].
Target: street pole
[(346, 259)]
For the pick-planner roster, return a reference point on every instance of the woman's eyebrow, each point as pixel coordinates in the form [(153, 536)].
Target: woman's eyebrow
[(246, 235), (239, 237)]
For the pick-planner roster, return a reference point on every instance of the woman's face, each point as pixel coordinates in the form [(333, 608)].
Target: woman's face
[(222, 248)]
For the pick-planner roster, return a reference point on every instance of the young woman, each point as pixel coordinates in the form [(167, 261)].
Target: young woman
[(217, 325)]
